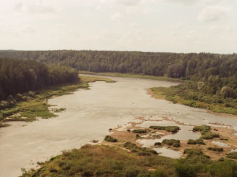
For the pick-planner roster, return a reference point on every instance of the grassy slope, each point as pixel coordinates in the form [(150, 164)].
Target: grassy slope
[(107, 161), (38, 107)]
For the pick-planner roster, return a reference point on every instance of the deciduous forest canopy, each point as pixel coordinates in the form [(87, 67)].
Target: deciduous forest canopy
[(216, 74), (19, 76)]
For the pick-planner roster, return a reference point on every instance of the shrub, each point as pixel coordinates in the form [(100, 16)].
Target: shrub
[(139, 131), (138, 150), (203, 129), (206, 132), (198, 141), (159, 173), (184, 169), (173, 129), (215, 149), (232, 155), (171, 142), (224, 168), (158, 144), (110, 139)]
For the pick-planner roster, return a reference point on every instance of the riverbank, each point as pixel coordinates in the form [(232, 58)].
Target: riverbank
[(127, 157), (132, 76), (37, 105), (184, 94)]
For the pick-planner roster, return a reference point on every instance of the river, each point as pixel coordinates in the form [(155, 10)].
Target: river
[(89, 115)]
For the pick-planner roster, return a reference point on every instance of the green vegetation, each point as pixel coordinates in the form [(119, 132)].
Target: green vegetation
[(105, 161), (194, 142), (189, 94), (22, 76), (130, 75), (138, 150), (173, 129), (232, 155), (171, 142), (213, 77), (158, 144), (215, 149), (139, 131), (35, 103), (110, 139), (206, 132)]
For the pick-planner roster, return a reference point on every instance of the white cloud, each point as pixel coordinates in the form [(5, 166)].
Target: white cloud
[(129, 2), (213, 13), (185, 2), (28, 29), (116, 16), (34, 7)]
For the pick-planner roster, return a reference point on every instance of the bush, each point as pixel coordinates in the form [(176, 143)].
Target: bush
[(158, 144), (171, 142), (203, 129), (138, 150), (198, 141), (173, 129), (232, 155), (139, 131), (206, 132), (110, 139), (184, 169), (215, 149), (159, 173), (224, 168), (210, 135)]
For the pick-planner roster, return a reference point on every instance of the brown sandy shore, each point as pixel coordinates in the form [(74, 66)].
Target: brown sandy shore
[(226, 134)]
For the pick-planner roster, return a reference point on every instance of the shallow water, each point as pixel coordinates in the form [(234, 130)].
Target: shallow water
[(185, 132), (168, 152), (88, 116), (220, 144)]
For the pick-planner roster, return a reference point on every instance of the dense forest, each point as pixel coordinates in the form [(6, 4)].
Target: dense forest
[(214, 74), (20, 76)]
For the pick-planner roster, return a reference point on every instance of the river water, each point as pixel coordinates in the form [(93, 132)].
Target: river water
[(89, 115)]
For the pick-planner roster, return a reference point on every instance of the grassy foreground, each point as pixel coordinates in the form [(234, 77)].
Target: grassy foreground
[(130, 75), (107, 161), (37, 107), (186, 95)]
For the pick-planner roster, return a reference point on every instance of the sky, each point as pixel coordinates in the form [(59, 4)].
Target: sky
[(181, 26)]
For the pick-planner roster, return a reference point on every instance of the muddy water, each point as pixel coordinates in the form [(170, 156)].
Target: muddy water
[(88, 116)]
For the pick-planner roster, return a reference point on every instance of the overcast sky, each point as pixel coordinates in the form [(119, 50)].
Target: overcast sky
[(140, 25)]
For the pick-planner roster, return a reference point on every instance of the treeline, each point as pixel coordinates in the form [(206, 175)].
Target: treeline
[(21, 76), (217, 74)]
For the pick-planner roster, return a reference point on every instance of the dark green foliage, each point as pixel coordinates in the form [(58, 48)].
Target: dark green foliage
[(157, 144), (218, 72), (185, 169), (210, 135), (171, 142), (206, 132), (138, 150), (139, 131), (194, 142), (173, 129), (203, 129), (225, 168), (232, 155), (110, 139), (215, 149), (21, 76)]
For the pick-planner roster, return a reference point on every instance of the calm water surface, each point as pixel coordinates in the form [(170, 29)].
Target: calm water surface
[(88, 116)]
